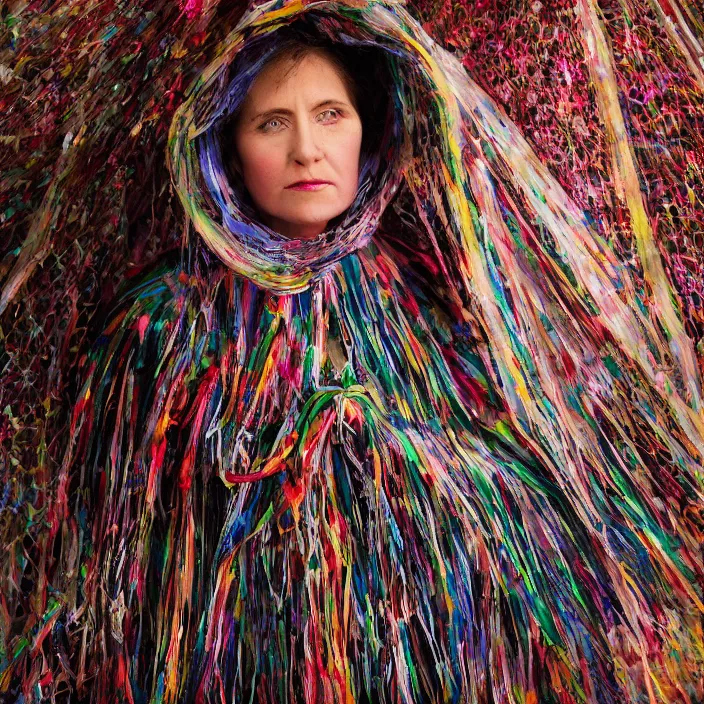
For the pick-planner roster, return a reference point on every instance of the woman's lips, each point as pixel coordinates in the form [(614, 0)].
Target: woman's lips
[(314, 186)]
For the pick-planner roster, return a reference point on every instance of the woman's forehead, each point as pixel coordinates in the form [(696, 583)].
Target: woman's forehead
[(285, 74)]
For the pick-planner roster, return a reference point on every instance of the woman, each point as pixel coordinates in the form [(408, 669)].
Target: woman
[(322, 461)]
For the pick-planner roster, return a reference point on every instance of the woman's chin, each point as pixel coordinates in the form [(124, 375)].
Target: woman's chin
[(298, 229), (290, 223)]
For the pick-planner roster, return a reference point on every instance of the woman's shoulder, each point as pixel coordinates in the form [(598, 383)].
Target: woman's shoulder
[(155, 292), (164, 279), (147, 297), (155, 335), (159, 309)]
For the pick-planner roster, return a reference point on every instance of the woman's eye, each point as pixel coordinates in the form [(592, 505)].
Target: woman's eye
[(264, 127), (337, 112)]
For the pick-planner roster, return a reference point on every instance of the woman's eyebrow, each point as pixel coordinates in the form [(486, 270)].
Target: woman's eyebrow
[(284, 111)]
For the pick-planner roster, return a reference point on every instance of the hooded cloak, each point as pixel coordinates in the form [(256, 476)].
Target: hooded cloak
[(349, 470)]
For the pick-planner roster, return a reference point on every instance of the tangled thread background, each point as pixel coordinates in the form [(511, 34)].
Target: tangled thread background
[(88, 93)]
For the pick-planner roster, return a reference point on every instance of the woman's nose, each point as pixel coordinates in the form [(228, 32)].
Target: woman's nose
[(306, 147)]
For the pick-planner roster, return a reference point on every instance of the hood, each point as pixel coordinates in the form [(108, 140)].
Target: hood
[(219, 213), (511, 248)]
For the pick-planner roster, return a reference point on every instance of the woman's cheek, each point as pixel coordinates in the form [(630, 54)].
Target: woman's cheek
[(267, 165), (263, 172), (349, 156)]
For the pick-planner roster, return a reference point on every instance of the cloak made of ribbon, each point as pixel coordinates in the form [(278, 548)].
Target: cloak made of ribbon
[(464, 470)]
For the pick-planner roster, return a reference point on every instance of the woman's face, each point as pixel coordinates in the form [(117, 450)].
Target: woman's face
[(302, 127)]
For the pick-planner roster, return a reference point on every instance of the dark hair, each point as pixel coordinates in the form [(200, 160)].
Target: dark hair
[(364, 69)]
